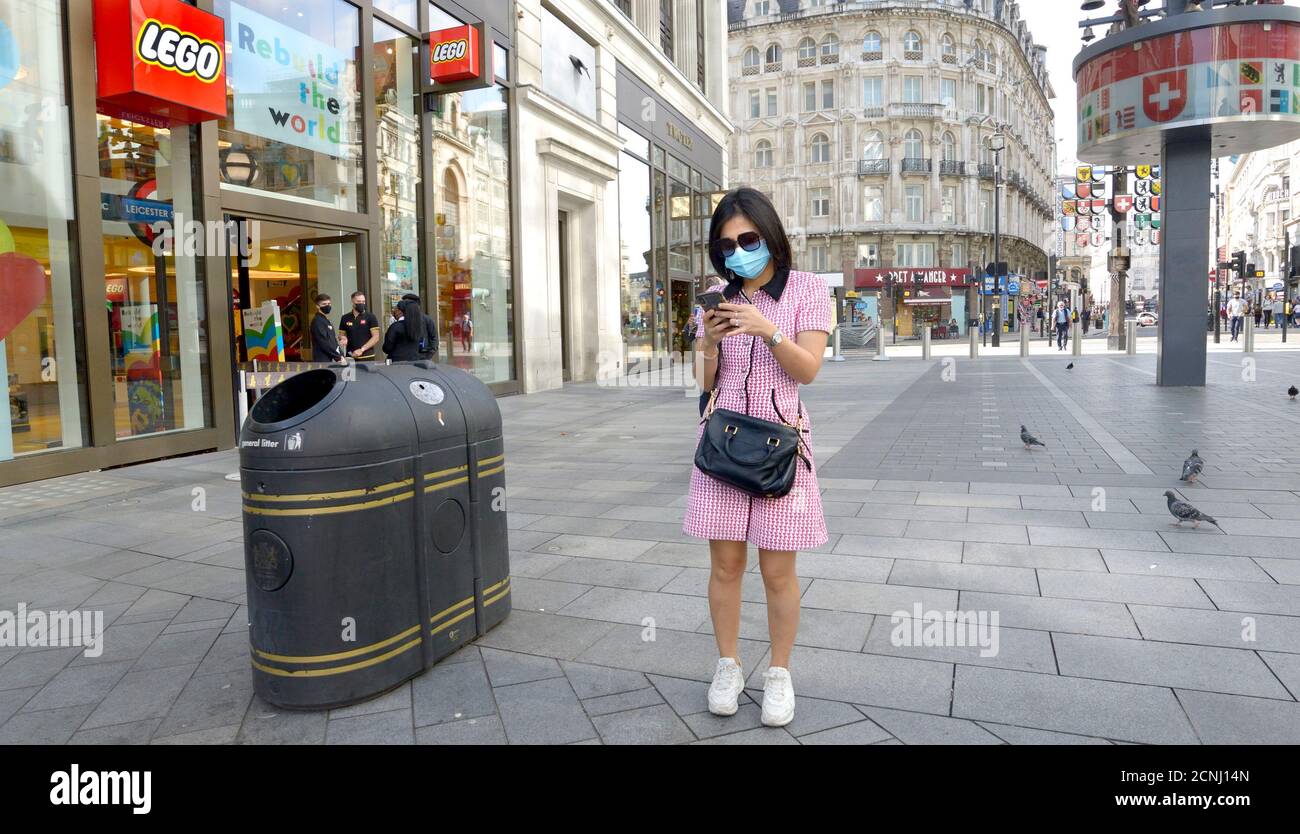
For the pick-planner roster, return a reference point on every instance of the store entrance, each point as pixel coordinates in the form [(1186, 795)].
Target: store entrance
[(288, 268)]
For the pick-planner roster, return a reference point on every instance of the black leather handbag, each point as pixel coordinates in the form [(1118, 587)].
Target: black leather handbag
[(756, 456)]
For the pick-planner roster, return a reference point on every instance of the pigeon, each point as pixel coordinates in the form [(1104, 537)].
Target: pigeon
[(1029, 440), (1292, 391), (1070, 367), (1192, 467), (1183, 511)]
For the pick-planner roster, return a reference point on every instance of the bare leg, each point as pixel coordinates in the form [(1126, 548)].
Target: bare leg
[(729, 560), (782, 585)]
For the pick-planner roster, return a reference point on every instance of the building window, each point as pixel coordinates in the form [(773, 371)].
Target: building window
[(873, 92), (403, 11), (750, 61), (948, 49), (42, 361), (950, 204), (762, 8), (809, 96), (397, 119), (913, 145), (986, 209), (819, 256), (912, 46), (914, 255), (771, 101), (807, 52), (700, 49), (819, 202), (821, 148), (763, 154), (868, 255), (949, 147), (828, 94), (872, 47), (624, 6), (873, 204), (873, 147), (913, 89), (774, 56), (471, 212), (914, 203), (305, 151), (948, 94), (666, 27), (754, 104), (831, 49), (959, 256)]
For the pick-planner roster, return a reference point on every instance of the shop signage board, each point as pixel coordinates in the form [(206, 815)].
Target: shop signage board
[(459, 58), (264, 333), (908, 277), (292, 88), (160, 62)]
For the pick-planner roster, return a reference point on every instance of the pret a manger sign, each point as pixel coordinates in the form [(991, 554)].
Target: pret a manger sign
[(159, 61)]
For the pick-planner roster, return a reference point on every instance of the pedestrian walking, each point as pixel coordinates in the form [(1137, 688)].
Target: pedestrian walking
[(759, 345), (1087, 317), (1236, 314), (1061, 319)]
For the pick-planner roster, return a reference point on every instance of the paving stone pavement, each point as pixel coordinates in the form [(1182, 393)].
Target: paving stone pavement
[(1113, 625)]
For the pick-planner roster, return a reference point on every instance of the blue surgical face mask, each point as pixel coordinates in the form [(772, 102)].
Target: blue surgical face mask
[(749, 264)]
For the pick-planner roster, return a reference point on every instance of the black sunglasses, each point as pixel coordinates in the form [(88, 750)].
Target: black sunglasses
[(749, 241)]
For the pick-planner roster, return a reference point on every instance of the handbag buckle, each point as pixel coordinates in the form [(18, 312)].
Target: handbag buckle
[(730, 429), (774, 441)]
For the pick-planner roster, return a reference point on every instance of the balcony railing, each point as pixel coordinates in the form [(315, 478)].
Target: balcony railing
[(772, 66), (916, 165), (754, 70), (808, 62), (952, 168), (833, 58), (873, 112), (909, 110), (871, 167), (985, 171), (872, 56)]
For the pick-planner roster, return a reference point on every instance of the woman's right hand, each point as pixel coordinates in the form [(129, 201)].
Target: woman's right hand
[(716, 326)]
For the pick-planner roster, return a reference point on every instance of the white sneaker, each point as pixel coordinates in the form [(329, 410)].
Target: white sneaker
[(778, 697), (728, 683)]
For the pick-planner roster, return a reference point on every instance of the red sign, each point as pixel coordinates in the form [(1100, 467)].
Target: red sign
[(1122, 203), (907, 277), (161, 62), (454, 55), (1164, 95)]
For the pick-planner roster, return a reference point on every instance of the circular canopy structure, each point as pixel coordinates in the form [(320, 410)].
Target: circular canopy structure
[(1232, 71)]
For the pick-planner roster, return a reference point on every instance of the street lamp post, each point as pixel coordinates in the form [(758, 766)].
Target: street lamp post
[(997, 143)]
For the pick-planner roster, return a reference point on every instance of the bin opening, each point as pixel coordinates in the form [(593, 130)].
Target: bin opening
[(294, 396)]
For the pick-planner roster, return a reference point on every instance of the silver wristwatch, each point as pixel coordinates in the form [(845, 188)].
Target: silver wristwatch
[(777, 338)]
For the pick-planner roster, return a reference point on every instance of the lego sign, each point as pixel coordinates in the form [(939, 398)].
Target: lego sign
[(159, 62), (459, 58)]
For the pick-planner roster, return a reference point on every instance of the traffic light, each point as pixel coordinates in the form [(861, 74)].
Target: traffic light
[(999, 269), (1239, 265), (1250, 272)]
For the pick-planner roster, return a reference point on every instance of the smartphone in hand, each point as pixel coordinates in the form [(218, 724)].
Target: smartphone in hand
[(709, 300)]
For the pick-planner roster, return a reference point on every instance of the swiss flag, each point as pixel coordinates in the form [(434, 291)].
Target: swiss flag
[(1122, 203), (1164, 95)]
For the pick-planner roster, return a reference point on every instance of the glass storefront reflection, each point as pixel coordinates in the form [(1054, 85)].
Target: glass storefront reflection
[(398, 145), (156, 311), (471, 217), (634, 258), (40, 359)]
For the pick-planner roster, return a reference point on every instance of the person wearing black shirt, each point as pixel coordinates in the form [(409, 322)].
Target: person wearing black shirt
[(324, 341), (430, 350), (360, 329), (403, 340)]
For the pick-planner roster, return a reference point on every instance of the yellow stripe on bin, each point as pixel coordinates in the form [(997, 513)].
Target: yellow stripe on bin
[(453, 482), (325, 658), (429, 476), (444, 612), (488, 602), (330, 496), (341, 508), (485, 472), (337, 670), (492, 588), (452, 621), (491, 460)]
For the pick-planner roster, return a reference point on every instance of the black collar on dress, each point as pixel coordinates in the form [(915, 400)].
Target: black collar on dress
[(773, 288)]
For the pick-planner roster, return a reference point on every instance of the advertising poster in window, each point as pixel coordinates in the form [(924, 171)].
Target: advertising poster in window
[(289, 88), (141, 348)]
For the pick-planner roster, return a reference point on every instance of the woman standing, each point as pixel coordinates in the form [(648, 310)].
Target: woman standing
[(770, 335), (402, 341)]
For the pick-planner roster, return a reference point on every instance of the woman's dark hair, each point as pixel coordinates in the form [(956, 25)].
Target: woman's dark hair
[(754, 205), (413, 319)]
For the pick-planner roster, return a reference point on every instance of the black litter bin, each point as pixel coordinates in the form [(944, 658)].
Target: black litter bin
[(374, 528)]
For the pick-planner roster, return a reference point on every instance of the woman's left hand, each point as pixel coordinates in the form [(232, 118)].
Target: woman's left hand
[(746, 320)]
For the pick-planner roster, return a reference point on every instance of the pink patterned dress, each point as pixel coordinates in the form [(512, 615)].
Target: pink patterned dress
[(715, 510)]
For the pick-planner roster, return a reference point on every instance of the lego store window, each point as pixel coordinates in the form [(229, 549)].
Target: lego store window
[(153, 283), (39, 284)]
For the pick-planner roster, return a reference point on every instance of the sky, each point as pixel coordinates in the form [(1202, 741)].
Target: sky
[(1054, 24)]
